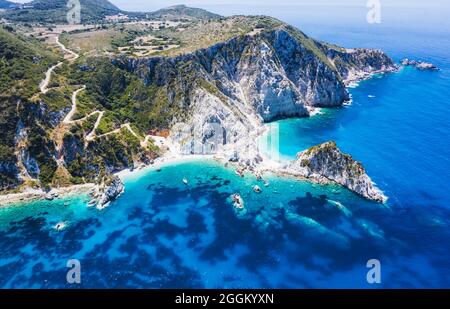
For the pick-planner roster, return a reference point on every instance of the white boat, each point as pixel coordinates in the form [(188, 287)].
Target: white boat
[(185, 181)]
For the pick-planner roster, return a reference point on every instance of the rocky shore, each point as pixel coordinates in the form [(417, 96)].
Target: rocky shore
[(30, 194), (101, 195)]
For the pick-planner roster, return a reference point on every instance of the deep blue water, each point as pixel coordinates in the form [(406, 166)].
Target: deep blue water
[(162, 233)]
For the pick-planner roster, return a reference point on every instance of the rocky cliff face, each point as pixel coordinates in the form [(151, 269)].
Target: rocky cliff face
[(237, 85), (326, 162), (358, 64)]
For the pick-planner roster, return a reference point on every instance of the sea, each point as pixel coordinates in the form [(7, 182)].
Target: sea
[(163, 233)]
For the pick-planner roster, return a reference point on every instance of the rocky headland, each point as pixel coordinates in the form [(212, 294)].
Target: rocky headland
[(326, 162)]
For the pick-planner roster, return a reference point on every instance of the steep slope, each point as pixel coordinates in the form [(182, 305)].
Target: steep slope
[(23, 62), (183, 12), (39, 148), (55, 11)]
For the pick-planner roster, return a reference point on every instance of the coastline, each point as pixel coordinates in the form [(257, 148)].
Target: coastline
[(160, 163), (30, 195), (170, 158)]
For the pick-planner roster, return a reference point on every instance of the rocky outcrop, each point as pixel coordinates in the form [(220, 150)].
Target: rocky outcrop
[(426, 66), (30, 164), (326, 162), (358, 64), (113, 188)]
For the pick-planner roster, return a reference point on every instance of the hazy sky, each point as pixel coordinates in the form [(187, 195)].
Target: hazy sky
[(148, 5)]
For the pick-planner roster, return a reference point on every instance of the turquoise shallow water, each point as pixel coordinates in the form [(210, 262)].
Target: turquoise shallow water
[(162, 233), (397, 126)]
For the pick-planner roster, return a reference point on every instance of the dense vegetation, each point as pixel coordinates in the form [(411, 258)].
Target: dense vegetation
[(94, 11), (55, 11), (182, 11), (23, 62), (8, 122), (124, 97)]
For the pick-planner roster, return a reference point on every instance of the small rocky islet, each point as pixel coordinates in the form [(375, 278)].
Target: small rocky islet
[(420, 65), (326, 162)]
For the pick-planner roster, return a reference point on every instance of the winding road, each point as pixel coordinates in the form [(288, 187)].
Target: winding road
[(48, 75), (69, 116), (59, 132), (92, 135)]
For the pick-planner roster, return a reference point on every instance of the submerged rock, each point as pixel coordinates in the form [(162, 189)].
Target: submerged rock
[(326, 162), (257, 189), (60, 226), (238, 202)]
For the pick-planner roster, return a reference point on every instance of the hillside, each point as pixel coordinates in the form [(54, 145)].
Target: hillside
[(93, 11), (55, 11), (23, 62), (183, 12)]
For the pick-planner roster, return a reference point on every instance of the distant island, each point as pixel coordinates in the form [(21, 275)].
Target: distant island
[(80, 103)]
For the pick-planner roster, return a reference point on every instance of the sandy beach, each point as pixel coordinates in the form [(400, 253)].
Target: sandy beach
[(160, 163)]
